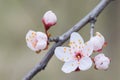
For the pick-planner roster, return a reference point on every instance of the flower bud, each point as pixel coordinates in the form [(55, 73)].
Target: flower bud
[(98, 42), (49, 19), (36, 41), (101, 62)]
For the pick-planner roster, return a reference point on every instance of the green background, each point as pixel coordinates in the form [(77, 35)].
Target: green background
[(17, 17)]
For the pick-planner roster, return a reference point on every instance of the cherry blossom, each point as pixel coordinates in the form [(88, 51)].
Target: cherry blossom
[(36, 41), (77, 56), (101, 62), (98, 42), (49, 19)]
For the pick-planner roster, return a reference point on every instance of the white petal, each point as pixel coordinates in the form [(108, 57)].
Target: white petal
[(41, 35), (76, 41), (29, 33), (41, 44), (98, 41), (31, 46), (102, 39), (70, 66), (31, 39), (87, 49), (49, 18), (85, 63), (99, 57), (63, 53)]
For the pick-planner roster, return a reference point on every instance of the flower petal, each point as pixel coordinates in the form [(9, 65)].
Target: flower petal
[(85, 63), (87, 49), (63, 53), (102, 39), (31, 39), (98, 41), (70, 66), (31, 46), (76, 41), (99, 57), (41, 36), (41, 44)]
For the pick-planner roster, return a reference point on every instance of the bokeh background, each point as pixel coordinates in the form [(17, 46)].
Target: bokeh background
[(17, 17)]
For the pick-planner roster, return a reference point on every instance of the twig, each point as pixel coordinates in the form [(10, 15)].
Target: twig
[(53, 39), (92, 25), (93, 14)]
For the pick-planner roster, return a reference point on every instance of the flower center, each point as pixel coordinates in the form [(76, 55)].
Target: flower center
[(78, 56)]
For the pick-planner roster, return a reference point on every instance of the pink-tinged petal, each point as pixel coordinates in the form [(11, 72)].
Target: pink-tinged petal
[(87, 49), (98, 41), (63, 53), (101, 62), (70, 66), (76, 41), (85, 63)]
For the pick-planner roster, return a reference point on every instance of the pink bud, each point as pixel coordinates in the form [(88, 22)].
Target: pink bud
[(101, 62), (49, 19)]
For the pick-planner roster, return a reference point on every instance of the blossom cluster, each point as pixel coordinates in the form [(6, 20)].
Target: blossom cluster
[(78, 56), (38, 41)]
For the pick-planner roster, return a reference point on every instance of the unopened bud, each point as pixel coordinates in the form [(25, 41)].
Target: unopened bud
[(49, 19)]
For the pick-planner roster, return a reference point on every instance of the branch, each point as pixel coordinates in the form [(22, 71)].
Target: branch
[(92, 15)]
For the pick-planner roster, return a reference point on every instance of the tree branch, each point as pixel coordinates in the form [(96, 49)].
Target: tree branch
[(93, 14)]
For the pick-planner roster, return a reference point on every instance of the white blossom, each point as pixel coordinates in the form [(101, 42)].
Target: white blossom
[(77, 56)]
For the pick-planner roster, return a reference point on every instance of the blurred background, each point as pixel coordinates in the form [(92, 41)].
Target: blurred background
[(17, 17)]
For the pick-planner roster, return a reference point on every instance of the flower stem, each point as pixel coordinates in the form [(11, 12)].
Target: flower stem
[(92, 25)]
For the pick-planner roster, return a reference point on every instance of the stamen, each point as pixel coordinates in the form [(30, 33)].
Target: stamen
[(78, 62), (64, 50), (79, 41)]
